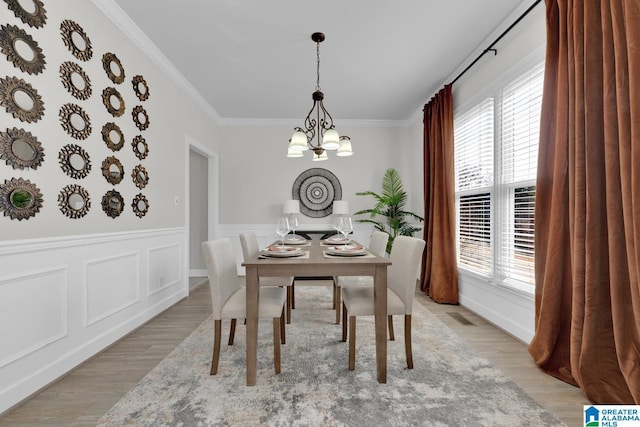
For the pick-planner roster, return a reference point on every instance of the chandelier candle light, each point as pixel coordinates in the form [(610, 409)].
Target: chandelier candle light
[(318, 125)]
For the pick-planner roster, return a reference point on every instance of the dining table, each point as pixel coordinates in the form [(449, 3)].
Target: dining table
[(315, 261)]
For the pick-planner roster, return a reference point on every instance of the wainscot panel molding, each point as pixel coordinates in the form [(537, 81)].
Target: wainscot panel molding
[(509, 309), (266, 234), (64, 299)]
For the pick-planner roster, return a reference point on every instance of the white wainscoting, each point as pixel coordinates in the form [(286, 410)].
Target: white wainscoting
[(64, 299), (266, 234)]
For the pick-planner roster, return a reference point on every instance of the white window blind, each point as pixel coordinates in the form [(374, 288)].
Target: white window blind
[(496, 148)]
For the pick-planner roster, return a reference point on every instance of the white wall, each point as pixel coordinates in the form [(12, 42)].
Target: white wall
[(70, 287)]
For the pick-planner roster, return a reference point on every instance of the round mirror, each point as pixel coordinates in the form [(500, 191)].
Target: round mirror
[(113, 101), (140, 147), (78, 81), (140, 117), (74, 161), (31, 12), (75, 80), (140, 176), (23, 150), (20, 99), (24, 50), (112, 203), (140, 205), (20, 149), (113, 67), (21, 49), (140, 87), (74, 201), (112, 170), (76, 40), (75, 121), (19, 198), (112, 136)]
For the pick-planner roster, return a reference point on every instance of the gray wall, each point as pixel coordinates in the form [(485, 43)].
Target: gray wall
[(198, 209)]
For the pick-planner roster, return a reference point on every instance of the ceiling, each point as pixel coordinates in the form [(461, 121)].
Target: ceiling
[(381, 60)]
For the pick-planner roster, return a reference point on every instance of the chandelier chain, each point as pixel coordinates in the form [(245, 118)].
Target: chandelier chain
[(318, 66)]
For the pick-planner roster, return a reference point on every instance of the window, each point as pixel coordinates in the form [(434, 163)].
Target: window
[(496, 147)]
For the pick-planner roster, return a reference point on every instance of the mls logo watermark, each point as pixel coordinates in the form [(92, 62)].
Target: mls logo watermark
[(611, 415)]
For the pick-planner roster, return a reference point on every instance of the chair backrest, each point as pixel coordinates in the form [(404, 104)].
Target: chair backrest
[(406, 255), (223, 275), (249, 243), (378, 243)]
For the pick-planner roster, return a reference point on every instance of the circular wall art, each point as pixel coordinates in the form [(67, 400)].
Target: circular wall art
[(114, 102), (19, 198), (140, 205), (140, 117), (74, 201), (316, 189), (113, 67), (140, 87), (75, 121), (74, 161), (21, 49), (112, 170), (112, 136), (112, 203), (75, 80), (76, 40), (21, 149), (140, 147), (21, 100), (140, 176), (35, 18)]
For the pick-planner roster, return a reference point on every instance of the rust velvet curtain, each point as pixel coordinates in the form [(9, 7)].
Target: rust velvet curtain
[(588, 200), (439, 275)]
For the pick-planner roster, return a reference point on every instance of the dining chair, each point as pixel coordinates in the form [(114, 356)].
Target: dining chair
[(406, 256), (228, 298), (377, 246), (250, 249)]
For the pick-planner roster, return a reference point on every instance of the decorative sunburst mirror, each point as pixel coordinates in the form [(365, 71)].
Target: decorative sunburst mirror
[(112, 170), (74, 161), (140, 176), (113, 67), (75, 80), (76, 40), (112, 203), (33, 14), (140, 205), (21, 100), (140, 117), (114, 102), (74, 201), (75, 121), (21, 149), (140, 87), (19, 198), (140, 147), (21, 49), (112, 136)]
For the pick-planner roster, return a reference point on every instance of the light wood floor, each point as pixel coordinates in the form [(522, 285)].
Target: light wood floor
[(86, 393)]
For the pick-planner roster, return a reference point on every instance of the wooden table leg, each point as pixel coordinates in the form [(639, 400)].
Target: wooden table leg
[(380, 301), (252, 323)]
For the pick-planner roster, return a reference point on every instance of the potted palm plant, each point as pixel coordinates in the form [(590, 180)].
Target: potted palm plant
[(389, 214)]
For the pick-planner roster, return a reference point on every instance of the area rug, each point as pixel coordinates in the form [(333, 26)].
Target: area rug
[(450, 384)]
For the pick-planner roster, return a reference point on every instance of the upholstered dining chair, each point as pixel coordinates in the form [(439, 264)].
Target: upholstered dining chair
[(250, 249), (377, 246), (406, 255), (228, 298)]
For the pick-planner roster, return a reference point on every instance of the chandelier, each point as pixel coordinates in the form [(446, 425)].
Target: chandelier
[(318, 125)]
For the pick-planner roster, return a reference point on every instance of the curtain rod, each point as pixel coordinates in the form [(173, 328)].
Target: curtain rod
[(490, 48)]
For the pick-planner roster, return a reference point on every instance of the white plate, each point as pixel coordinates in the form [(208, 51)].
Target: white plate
[(277, 252), (347, 250), (296, 241), (337, 240)]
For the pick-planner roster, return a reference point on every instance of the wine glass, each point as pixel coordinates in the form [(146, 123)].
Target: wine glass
[(282, 229), (336, 223), (346, 226), (293, 222)]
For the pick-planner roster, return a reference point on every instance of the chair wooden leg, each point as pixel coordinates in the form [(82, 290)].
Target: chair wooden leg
[(338, 301), (289, 302), (293, 295), (352, 343), (391, 336), (276, 343), (217, 332), (344, 323), (407, 340), (232, 331), (283, 338)]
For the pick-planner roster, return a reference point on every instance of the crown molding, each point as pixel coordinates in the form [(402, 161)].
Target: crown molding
[(120, 19)]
